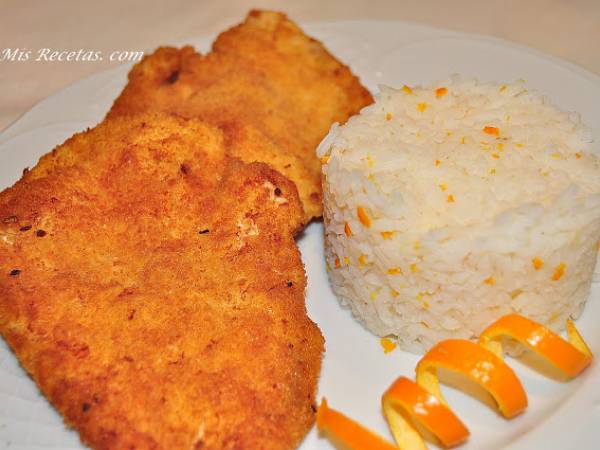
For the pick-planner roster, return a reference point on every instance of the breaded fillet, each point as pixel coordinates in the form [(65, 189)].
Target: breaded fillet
[(151, 286), (273, 90)]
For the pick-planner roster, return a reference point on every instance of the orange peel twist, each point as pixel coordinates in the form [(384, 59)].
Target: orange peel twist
[(403, 398), (570, 357), (406, 402), (480, 365), (346, 432), (406, 396)]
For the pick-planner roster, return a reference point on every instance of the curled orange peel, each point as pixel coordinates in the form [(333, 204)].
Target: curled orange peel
[(422, 402), (481, 366), (406, 396), (346, 432), (570, 357)]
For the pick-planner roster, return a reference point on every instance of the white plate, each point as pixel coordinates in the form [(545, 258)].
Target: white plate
[(355, 370)]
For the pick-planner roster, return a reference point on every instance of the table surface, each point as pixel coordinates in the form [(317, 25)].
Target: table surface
[(567, 29)]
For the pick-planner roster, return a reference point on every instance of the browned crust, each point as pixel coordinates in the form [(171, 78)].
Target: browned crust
[(142, 329), (273, 90)]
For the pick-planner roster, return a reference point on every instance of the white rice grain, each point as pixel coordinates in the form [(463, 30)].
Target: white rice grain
[(477, 201)]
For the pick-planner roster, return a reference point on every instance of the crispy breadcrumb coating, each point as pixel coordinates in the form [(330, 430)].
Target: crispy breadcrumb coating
[(273, 90), (151, 286)]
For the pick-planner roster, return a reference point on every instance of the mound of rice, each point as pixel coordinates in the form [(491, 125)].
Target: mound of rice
[(451, 205)]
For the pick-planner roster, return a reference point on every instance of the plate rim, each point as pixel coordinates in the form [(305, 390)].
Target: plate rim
[(12, 130)]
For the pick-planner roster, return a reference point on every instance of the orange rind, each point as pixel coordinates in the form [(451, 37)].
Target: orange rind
[(407, 404), (407, 398), (347, 433), (570, 357), (477, 364)]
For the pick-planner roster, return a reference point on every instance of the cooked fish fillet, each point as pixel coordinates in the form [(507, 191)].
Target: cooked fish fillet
[(273, 90), (151, 286)]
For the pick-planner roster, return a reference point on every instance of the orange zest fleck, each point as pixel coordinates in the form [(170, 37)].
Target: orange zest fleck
[(388, 116), (450, 198), (388, 345), (421, 107), (387, 234), (437, 162), (413, 268), (537, 263), (394, 293), (406, 396), (325, 159), (346, 260), (559, 271), (490, 281), (570, 357), (495, 156), (480, 365), (347, 432), (337, 262), (440, 92), (370, 162), (363, 217), (362, 259), (407, 90), (443, 187), (578, 155), (492, 131), (394, 271), (347, 229)]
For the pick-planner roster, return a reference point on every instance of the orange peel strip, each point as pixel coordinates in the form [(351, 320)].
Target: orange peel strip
[(424, 403), (478, 364), (570, 357), (346, 432), (423, 407)]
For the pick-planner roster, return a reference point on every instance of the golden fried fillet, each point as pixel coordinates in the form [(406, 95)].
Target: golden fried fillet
[(273, 90), (151, 286)]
